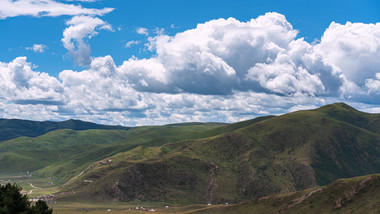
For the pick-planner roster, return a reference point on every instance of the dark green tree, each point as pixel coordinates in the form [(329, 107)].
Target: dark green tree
[(13, 202), (41, 208)]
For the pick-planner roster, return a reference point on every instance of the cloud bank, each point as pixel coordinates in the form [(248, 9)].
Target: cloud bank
[(223, 56), (223, 70)]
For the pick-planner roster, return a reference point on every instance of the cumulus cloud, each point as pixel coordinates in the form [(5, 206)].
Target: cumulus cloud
[(37, 48), (283, 77), (373, 85), (226, 55), (99, 88), (354, 49), (21, 85), (38, 8), (82, 28)]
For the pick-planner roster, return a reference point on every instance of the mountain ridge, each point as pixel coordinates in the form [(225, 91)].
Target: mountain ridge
[(13, 128)]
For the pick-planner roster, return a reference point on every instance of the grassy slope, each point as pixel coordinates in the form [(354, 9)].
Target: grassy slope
[(353, 195), (187, 169), (256, 158), (65, 153)]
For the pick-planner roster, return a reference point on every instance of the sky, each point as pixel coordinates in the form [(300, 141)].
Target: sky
[(152, 62)]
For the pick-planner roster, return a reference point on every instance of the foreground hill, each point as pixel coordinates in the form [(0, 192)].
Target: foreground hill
[(14, 128), (270, 155), (353, 195)]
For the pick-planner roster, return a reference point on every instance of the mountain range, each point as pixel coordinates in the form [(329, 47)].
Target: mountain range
[(198, 162)]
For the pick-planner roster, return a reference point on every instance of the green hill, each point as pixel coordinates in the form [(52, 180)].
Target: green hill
[(239, 162), (65, 153)]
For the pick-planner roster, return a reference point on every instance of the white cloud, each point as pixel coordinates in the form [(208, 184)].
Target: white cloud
[(38, 8), (131, 43), (284, 77), (354, 49), (21, 85), (145, 74), (37, 48), (82, 28), (373, 85), (142, 31)]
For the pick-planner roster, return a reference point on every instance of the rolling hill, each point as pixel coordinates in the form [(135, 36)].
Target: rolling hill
[(64, 153), (265, 156)]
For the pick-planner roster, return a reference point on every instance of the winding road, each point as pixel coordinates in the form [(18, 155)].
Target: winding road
[(30, 192)]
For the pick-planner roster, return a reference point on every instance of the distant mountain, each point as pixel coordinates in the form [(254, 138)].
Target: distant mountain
[(13, 128), (241, 161)]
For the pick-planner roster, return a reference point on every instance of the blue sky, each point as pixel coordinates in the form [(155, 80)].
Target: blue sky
[(157, 62)]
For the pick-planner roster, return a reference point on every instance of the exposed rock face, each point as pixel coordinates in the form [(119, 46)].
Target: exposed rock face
[(361, 187), (213, 183), (301, 199)]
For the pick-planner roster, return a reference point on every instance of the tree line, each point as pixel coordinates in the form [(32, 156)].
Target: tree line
[(13, 202)]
